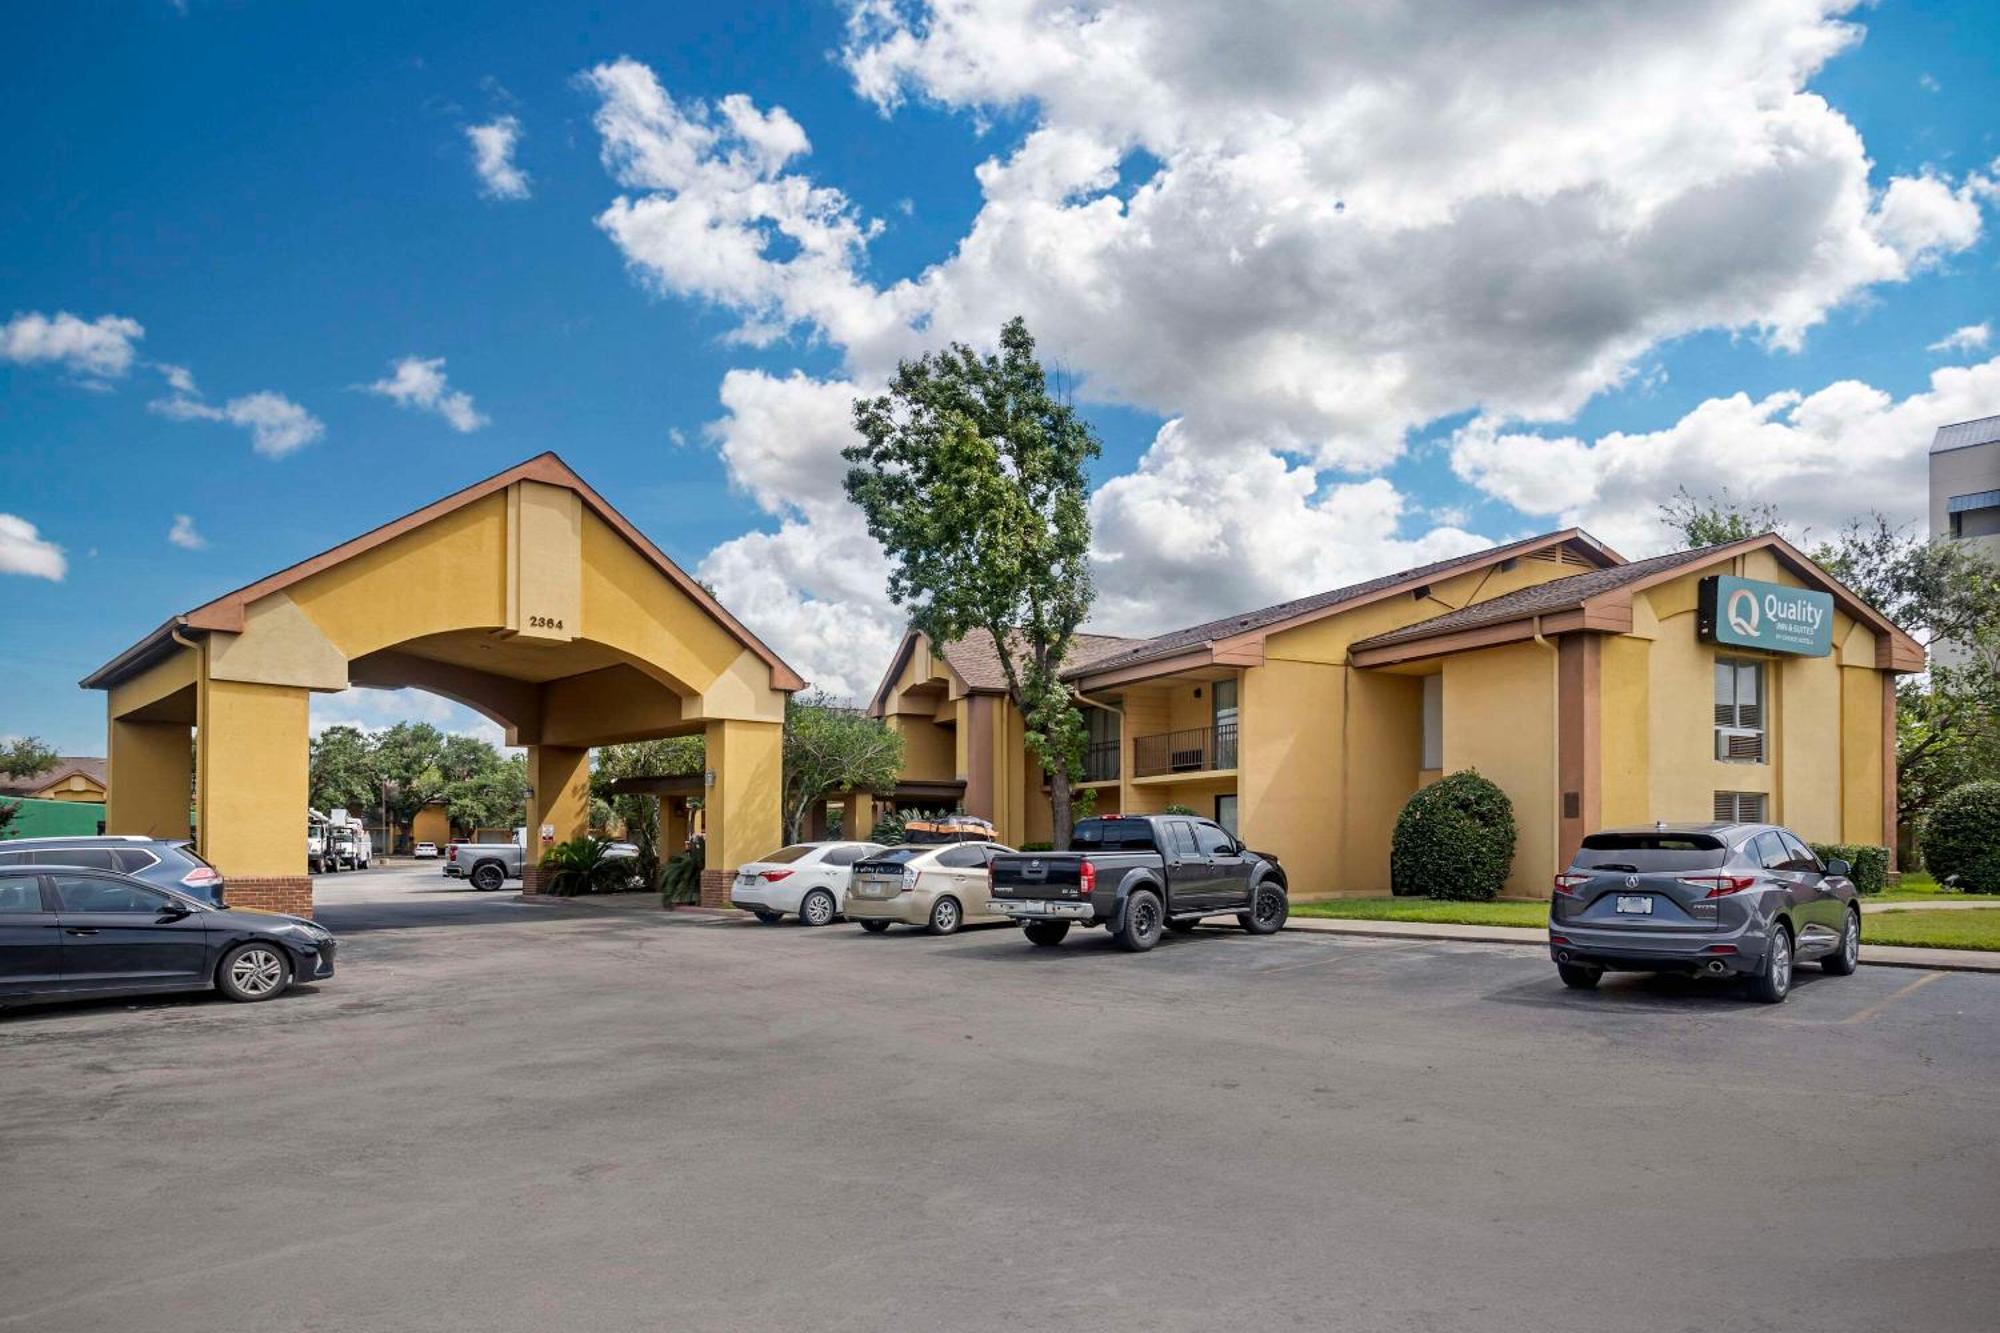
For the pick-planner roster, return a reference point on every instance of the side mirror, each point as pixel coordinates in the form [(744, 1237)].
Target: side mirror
[(175, 908), (1838, 867)]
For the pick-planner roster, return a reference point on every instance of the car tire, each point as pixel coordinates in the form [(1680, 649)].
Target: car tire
[(1184, 927), (768, 918), (946, 916), (818, 909), (1578, 977), (874, 927), (1045, 932), (255, 971), (1269, 909), (488, 877), (1142, 923), (1842, 961), (1773, 981)]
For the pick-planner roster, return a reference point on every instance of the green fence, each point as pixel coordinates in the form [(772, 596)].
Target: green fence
[(55, 819)]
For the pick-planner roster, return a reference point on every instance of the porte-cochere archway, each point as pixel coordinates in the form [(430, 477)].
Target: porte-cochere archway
[(526, 597)]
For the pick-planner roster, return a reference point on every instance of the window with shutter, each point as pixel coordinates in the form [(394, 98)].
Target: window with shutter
[(1739, 711), (1739, 807)]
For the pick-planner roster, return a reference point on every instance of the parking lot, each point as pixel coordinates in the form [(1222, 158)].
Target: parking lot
[(502, 1116)]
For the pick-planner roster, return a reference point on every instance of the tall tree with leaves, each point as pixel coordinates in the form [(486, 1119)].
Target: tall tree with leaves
[(831, 749), (342, 773), (22, 757), (971, 474)]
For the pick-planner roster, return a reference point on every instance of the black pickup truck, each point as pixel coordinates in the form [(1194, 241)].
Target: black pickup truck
[(1139, 875)]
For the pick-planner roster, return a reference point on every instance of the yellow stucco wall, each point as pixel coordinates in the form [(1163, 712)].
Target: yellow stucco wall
[(1625, 730), (152, 774), (1500, 718), (251, 789), (1383, 764), (1289, 769), (431, 825)]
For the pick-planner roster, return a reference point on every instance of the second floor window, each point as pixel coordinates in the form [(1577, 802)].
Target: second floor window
[(1740, 711)]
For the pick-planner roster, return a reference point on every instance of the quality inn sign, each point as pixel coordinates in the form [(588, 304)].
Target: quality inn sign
[(1746, 613)]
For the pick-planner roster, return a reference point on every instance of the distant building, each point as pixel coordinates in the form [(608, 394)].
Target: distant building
[(1965, 491), (73, 777)]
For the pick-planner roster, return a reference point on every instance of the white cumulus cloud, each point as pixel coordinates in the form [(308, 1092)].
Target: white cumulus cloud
[(417, 383), (1266, 223), (493, 146), (1819, 457), (23, 550), (184, 535), (98, 349), (1967, 338), (277, 425)]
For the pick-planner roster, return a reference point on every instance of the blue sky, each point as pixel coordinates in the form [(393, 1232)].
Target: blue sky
[(285, 198)]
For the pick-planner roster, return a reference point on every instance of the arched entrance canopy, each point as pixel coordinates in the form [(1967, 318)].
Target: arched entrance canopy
[(525, 596)]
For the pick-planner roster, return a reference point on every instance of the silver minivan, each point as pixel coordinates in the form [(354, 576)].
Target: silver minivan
[(1742, 901)]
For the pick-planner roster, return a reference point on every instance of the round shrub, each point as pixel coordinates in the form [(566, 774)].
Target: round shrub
[(1454, 839), (1961, 838)]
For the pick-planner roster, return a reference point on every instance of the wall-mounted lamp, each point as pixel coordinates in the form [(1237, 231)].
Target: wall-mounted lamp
[(708, 778)]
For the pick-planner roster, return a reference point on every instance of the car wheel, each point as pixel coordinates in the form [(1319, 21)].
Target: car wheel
[(768, 918), (945, 916), (1774, 983), (488, 878), (254, 971), (1045, 932), (1143, 922), (1578, 977), (1842, 961), (874, 927), (1184, 927), (1268, 909), (817, 909)]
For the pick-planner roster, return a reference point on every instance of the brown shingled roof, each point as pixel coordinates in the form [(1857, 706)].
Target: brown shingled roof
[(977, 662), (91, 766), (1248, 622), (1540, 598)]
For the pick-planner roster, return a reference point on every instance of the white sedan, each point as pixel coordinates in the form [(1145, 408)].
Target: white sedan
[(806, 879), (425, 849)]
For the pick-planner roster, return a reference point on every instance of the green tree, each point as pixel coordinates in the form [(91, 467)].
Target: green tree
[(971, 474), (25, 756), (411, 755), (831, 749), (1715, 519), (493, 796), (342, 774)]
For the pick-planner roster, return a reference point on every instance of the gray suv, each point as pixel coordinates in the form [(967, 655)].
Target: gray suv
[(170, 863), (1746, 901)]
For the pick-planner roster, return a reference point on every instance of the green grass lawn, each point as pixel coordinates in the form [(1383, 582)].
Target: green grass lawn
[(1934, 930), (1917, 886), (1431, 910)]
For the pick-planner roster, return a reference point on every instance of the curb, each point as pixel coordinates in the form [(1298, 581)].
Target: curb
[(1877, 955)]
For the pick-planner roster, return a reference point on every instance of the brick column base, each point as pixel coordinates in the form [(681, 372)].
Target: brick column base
[(534, 877), (715, 887), (283, 893)]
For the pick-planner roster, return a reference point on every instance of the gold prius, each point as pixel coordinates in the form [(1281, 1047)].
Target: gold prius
[(938, 887)]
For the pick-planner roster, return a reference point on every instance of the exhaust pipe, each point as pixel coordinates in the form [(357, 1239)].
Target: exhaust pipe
[(1562, 955), (1716, 967)]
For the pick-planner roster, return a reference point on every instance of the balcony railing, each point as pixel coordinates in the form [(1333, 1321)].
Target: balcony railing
[(1100, 762), (1196, 750)]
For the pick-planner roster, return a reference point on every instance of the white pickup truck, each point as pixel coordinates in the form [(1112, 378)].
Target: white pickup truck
[(489, 865)]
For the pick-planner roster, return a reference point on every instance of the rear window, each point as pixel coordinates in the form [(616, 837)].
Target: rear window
[(1112, 835), (897, 856), (786, 855), (1651, 851)]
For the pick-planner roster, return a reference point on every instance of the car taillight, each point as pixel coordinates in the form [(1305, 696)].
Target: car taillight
[(451, 855), (1086, 878), (1570, 881), (1719, 886), (200, 877), (772, 876)]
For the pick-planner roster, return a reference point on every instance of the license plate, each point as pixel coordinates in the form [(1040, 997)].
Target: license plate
[(1635, 904)]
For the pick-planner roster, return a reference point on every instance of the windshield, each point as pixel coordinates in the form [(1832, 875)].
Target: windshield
[(1651, 851), (1112, 835)]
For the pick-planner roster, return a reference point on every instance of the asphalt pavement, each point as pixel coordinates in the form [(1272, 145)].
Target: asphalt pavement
[(506, 1116)]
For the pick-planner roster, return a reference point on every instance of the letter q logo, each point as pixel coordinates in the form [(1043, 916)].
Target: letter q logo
[(1742, 612)]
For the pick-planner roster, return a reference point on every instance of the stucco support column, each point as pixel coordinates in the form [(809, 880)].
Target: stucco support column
[(558, 805), (151, 779), (1579, 743), (673, 826), (742, 810), (1891, 832), (982, 718), (251, 764), (857, 815)]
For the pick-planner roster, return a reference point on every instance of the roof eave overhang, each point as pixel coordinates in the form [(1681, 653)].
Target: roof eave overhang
[(1579, 619)]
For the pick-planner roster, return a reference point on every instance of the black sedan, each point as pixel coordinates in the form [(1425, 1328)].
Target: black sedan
[(69, 933)]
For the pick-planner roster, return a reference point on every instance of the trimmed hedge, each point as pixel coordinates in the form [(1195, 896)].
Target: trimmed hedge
[(1454, 839), (1961, 838), (1871, 864)]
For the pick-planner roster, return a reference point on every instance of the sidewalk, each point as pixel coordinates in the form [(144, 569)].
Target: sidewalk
[(1874, 955)]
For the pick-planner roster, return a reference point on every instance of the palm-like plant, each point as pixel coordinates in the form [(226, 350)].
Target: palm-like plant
[(581, 866)]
